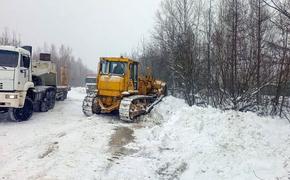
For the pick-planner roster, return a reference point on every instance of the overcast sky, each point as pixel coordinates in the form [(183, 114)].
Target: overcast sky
[(92, 28)]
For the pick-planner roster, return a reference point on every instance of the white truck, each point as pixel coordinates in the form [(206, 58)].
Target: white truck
[(28, 85)]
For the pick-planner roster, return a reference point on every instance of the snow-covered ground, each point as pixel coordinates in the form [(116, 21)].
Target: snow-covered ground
[(174, 141), (60, 144)]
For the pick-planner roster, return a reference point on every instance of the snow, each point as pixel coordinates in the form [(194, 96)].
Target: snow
[(206, 143), (60, 144), (174, 141)]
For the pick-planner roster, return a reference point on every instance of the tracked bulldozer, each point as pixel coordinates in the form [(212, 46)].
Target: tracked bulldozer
[(121, 87)]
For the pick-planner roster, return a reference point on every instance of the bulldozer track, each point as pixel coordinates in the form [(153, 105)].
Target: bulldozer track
[(127, 113), (88, 104)]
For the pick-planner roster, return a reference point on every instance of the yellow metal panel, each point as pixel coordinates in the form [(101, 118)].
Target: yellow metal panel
[(111, 85), (114, 59), (108, 82), (109, 93)]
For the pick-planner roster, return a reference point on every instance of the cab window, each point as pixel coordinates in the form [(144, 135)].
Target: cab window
[(134, 72), (117, 68), (104, 67), (25, 61)]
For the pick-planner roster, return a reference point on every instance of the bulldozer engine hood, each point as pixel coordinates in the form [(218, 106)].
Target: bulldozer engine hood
[(111, 85)]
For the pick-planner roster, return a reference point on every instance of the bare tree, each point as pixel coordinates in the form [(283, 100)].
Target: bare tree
[(9, 38), (177, 36), (280, 6), (235, 58)]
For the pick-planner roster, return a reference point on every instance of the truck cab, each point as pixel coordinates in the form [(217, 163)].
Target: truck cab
[(15, 76)]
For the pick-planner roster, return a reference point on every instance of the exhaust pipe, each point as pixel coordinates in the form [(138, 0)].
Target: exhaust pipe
[(28, 48)]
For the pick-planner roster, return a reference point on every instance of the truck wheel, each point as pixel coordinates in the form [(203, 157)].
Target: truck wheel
[(64, 96), (21, 114), (44, 106), (51, 99)]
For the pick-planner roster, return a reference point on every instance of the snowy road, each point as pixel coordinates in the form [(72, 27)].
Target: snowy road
[(173, 142), (60, 144)]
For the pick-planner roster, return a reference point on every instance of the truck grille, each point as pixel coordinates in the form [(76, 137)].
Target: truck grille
[(1, 85)]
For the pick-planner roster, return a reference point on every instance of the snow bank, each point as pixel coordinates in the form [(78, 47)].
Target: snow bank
[(206, 143)]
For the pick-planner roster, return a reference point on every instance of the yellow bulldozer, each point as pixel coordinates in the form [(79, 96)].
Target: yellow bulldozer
[(120, 87)]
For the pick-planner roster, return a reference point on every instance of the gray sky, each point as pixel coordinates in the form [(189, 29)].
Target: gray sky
[(92, 28)]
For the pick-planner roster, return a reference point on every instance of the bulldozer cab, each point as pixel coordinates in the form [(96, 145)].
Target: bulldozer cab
[(117, 76)]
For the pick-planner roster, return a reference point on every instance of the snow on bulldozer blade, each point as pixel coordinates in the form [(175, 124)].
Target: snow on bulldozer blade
[(173, 141)]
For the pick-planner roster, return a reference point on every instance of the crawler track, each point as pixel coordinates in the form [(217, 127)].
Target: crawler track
[(134, 106), (88, 104), (130, 107)]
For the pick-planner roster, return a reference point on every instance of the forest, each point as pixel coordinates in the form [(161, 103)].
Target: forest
[(230, 54)]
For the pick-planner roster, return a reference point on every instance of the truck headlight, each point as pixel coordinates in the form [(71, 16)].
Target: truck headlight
[(11, 96)]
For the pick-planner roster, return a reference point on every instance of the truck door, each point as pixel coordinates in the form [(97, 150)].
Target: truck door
[(24, 72), (134, 75)]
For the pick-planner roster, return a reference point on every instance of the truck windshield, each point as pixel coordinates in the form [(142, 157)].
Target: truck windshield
[(8, 58), (90, 80)]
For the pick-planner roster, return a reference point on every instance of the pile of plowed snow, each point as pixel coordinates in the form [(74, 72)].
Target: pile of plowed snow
[(206, 143)]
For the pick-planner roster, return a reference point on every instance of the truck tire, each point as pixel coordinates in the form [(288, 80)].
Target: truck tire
[(51, 99), (64, 96), (44, 106), (21, 114), (48, 102)]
